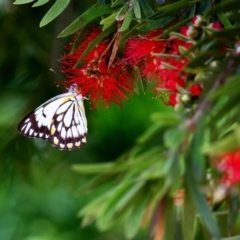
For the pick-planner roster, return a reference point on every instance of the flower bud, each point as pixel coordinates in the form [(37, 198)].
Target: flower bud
[(195, 90), (185, 98), (198, 21), (189, 31), (215, 25)]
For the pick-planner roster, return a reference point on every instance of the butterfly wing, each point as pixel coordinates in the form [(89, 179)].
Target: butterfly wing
[(61, 120), (69, 125)]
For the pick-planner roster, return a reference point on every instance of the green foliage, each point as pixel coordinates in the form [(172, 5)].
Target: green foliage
[(54, 11)]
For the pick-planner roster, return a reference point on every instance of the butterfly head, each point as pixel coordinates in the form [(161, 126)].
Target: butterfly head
[(74, 88)]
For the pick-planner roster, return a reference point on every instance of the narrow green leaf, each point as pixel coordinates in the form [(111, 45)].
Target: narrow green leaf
[(22, 1), (203, 6), (169, 219), (233, 211), (86, 18), (153, 24), (229, 143), (117, 2), (40, 3), (200, 202), (152, 132), (174, 137), (147, 10), (177, 5), (224, 6), (54, 11), (166, 118), (189, 217), (126, 22), (123, 201), (109, 20), (109, 215), (93, 168), (136, 9), (122, 11), (135, 216), (106, 26), (224, 20), (197, 158)]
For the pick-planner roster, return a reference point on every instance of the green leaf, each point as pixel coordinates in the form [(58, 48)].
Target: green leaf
[(124, 200), (22, 1), (201, 204), (151, 133), (174, 137), (117, 2), (166, 118), (169, 219), (135, 216), (126, 22), (228, 143), (109, 214), (197, 158), (86, 18), (93, 168), (177, 5), (109, 20), (153, 24), (147, 10), (54, 11), (224, 20), (137, 9), (224, 6), (40, 3), (189, 217), (233, 210)]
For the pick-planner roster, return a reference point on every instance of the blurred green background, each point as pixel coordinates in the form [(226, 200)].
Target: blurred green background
[(38, 191)]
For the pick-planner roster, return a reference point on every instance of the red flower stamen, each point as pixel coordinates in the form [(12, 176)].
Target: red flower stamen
[(95, 78), (229, 165)]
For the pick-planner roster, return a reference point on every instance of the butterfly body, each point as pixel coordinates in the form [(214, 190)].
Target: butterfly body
[(61, 120)]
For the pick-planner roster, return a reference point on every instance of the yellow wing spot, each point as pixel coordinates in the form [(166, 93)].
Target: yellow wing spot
[(62, 145), (77, 144), (84, 140), (66, 99), (55, 140), (76, 107), (53, 129), (69, 145)]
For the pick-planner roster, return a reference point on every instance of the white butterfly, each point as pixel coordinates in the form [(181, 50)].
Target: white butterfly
[(61, 120)]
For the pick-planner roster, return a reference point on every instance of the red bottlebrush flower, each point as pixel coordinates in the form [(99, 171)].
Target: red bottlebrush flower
[(140, 51), (171, 78), (190, 31), (95, 78), (229, 165), (195, 90)]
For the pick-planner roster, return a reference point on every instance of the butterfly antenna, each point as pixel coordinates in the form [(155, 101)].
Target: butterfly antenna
[(57, 74)]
